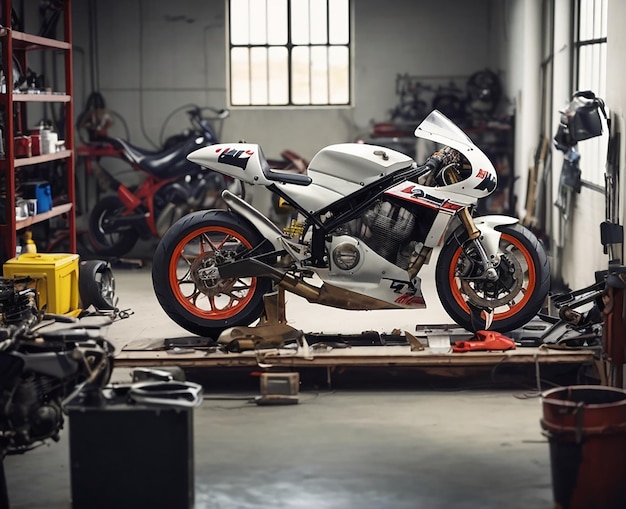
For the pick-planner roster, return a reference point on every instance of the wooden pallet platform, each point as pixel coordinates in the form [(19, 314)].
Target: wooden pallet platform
[(380, 356)]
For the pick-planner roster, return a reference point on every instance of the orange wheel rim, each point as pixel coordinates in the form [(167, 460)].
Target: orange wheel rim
[(526, 288), (225, 299)]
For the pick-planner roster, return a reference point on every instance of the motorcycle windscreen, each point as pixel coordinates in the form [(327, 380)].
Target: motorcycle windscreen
[(11, 367), (438, 127)]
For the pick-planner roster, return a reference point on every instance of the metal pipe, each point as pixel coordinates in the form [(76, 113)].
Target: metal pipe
[(419, 262), (468, 221)]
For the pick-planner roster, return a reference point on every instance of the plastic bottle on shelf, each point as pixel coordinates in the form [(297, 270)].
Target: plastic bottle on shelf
[(29, 243)]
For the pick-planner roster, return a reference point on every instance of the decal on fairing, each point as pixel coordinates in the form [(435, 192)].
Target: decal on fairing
[(409, 297), (415, 194), (430, 198), (234, 157), (397, 286), (409, 300), (489, 182)]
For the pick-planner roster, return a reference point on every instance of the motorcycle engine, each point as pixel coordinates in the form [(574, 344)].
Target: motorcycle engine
[(17, 302), (31, 412), (30, 398), (387, 229)]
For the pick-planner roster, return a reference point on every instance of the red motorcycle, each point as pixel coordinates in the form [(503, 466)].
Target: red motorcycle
[(172, 188)]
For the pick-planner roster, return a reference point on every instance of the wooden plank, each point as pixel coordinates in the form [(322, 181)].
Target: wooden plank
[(535, 174), (42, 158), (352, 356), (30, 41), (44, 216), (42, 98)]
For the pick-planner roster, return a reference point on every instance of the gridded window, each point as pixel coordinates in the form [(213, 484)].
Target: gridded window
[(289, 52), (590, 74), (547, 66)]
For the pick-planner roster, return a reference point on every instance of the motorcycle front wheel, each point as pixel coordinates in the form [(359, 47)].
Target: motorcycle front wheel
[(516, 296), (185, 279), (105, 241)]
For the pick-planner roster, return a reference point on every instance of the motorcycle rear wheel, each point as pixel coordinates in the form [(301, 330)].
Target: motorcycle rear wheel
[(186, 289), (107, 243), (518, 294)]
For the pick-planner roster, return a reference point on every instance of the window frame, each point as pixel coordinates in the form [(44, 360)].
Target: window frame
[(593, 151), (290, 46), (547, 68)]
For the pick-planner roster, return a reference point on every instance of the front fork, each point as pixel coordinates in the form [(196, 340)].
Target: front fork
[(490, 262), (486, 240)]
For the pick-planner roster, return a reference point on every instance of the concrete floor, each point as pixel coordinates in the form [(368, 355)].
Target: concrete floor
[(374, 439)]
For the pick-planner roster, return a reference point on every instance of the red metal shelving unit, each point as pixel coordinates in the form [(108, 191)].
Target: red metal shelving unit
[(19, 44)]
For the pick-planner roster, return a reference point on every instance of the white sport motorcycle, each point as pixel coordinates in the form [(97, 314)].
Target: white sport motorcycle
[(368, 220)]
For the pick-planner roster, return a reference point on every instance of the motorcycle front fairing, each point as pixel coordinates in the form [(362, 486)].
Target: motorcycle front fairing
[(482, 179)]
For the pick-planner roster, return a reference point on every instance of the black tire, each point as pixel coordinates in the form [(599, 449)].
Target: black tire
[(106, 243), (207, 306), (516, 297), (96, 285)]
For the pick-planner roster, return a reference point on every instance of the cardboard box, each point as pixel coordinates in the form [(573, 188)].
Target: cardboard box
[(279, 389)]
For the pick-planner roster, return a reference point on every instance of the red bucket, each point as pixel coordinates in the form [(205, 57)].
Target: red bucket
[(586, 430)]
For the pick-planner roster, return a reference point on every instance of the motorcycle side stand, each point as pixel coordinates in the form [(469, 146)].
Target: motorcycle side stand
[(271, 332)]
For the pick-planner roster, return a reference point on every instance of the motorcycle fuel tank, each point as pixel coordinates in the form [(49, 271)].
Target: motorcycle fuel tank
[(358, 163), (341, 169)]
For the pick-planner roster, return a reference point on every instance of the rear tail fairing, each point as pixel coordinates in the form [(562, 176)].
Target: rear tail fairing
[(244, 161)]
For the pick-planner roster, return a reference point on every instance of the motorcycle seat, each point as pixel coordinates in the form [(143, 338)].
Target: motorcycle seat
[(167, 163), (285, 176)]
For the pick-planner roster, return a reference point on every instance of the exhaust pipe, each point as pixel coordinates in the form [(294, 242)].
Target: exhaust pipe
[(327, 294)]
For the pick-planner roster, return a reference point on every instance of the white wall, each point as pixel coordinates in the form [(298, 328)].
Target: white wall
[(157, 55), (581, 253), (522, 52), (616, 82)]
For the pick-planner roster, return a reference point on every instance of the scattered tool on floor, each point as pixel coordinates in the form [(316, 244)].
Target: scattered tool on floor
[(485, 341)]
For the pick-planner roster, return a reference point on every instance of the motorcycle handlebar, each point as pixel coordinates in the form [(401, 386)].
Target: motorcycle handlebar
[(433, 163), (441, 159), (220, 114)]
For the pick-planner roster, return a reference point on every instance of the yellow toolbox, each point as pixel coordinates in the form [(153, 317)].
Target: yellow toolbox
[(55, 275)]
